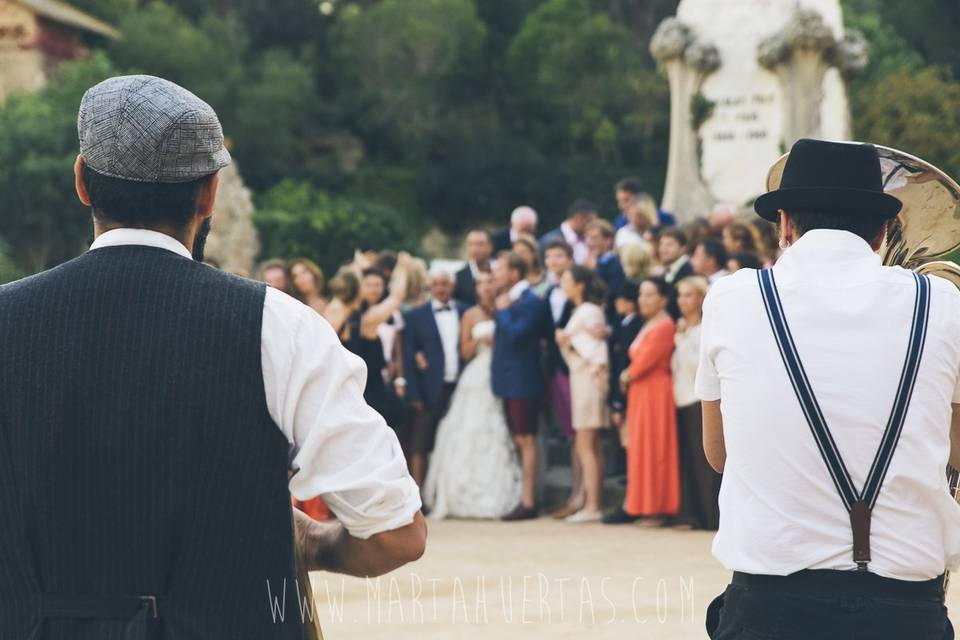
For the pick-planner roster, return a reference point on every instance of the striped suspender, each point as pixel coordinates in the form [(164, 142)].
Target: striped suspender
[(859, 505)]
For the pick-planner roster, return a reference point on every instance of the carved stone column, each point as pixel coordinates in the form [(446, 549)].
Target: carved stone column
[(800, 55), (686, 63)]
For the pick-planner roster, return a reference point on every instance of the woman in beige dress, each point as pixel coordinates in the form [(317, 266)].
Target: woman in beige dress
[(587, 358)]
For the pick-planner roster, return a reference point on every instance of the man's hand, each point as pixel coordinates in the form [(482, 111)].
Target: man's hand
[(563, 340), (329, 547), (421, 361), (616, 417)]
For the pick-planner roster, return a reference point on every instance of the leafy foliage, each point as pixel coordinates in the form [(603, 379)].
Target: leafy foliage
[(296, 219), (41, 219)]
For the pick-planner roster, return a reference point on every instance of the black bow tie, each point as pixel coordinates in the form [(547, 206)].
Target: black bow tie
[(445, 307)]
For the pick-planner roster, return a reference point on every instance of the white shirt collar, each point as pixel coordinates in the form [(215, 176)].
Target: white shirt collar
[(437, 305), (517, 290), (716, 275), (569, 234), (145, 237), (677, 264), (821, 254)]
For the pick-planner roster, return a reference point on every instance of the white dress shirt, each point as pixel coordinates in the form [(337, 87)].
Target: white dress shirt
[(628, 235), (670, 273), (579, 245), (340, 448), (850, 318), (716, 275), (683, 365), (448, 324), (517, 290), (558, 300)]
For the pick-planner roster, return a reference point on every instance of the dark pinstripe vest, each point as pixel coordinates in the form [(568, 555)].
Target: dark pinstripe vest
[(137, 456)]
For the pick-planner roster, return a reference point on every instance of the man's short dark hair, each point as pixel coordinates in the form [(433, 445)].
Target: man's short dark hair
[(747, 260), (714, 248), (866, 226), (130, 203), (630, 185), (515, 263), (561, 244), (581, 206), (676, 234), (485, 232)]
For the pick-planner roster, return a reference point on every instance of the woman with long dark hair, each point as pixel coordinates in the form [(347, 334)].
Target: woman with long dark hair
[(586, 356), (377, 305), (307, 284)]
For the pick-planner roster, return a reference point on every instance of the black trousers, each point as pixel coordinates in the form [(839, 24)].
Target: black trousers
[(827, 605)]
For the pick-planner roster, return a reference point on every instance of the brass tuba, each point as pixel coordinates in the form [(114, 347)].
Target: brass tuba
[(925, 235)]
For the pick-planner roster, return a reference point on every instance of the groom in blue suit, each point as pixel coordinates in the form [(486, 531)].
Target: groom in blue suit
[(517, 378)]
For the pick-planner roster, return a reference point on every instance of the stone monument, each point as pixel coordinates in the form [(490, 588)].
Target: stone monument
[(747, 79), (233, 240)]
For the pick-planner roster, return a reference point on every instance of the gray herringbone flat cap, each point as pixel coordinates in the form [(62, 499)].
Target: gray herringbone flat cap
[(149, 129)]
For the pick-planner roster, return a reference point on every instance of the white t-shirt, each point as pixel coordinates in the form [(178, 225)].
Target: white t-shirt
[(850, 318)]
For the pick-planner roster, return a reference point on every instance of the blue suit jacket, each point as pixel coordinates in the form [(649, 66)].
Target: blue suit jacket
[(516, 349), (420, 334)]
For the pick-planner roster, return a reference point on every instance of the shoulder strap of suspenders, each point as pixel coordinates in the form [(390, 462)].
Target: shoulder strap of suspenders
[(858, 504)]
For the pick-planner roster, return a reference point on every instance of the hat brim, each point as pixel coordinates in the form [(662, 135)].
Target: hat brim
[(832, 199)]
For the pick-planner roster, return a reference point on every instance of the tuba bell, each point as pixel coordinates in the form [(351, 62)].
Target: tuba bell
[(925, 235)]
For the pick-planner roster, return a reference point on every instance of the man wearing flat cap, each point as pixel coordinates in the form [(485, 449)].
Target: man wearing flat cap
[(828, 384), (153, 409)]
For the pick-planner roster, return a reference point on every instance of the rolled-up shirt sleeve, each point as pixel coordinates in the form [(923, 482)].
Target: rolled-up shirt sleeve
[(340, 448)]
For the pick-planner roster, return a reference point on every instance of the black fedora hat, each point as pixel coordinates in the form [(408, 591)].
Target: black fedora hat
[(835, 177)]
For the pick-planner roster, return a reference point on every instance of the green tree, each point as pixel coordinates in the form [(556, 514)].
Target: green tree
[(205, 56), (296, 219), (273, 119), (400, 65), (917, 112), (41, 220)]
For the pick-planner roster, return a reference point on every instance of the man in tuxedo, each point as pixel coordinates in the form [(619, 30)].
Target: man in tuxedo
[(523, 220), (140, 389), (573, 230), (479, 253), (515, 370), (431, 352), (672, 251)]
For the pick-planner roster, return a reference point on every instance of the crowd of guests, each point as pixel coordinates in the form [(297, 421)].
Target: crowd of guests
[(590, 330)]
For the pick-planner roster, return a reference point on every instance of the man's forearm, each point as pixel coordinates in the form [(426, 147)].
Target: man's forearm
[(329, 547)]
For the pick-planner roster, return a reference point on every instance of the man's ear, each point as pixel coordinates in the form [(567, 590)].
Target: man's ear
[(78, 181), (208, 196)]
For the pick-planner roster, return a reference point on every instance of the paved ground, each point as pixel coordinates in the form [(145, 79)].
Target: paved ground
[(540, 579)]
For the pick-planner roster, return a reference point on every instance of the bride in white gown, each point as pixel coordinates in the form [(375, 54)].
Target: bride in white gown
[(474, 471)]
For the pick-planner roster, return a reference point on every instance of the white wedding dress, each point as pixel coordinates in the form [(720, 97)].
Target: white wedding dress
[(474, 471)]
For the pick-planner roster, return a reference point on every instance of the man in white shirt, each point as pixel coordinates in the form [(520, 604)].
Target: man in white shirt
[(153, 410), (805, 370), (709, 259), (573, 230)]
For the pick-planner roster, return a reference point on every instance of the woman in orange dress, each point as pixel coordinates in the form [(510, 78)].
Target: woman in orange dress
[(653, 471)]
